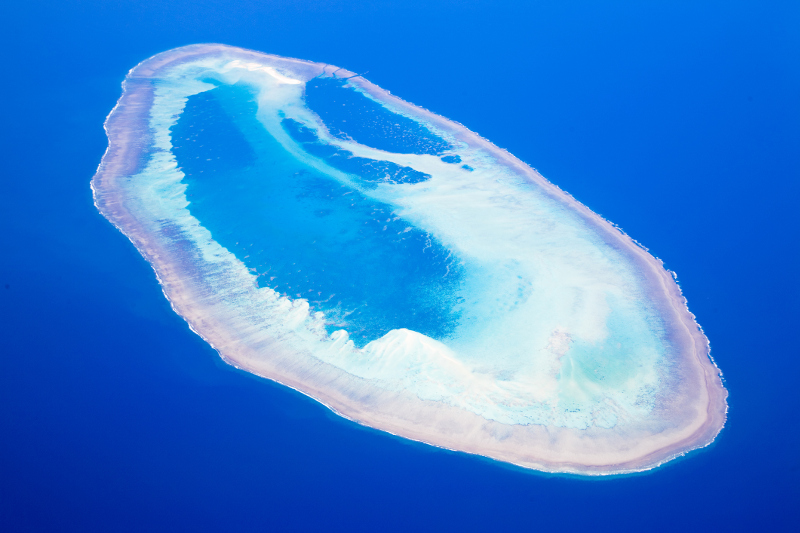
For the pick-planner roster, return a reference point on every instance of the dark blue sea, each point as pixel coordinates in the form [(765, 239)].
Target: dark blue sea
[(679, 121)]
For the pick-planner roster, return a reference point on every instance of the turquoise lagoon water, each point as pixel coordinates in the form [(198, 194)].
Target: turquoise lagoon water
[(305, 234)]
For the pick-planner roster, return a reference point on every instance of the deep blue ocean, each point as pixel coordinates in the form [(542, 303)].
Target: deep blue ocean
[(679, 121)]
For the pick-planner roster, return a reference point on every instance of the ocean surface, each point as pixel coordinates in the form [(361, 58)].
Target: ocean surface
[(677, 122)]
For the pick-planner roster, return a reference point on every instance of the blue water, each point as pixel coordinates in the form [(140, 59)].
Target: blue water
[(305, 234), (676, 120), (368, 171), (349, 114)]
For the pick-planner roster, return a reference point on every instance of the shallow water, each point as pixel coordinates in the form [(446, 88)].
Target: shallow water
[(304, 234)]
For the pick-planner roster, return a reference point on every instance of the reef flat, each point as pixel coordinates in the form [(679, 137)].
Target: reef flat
[(393, 265)]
